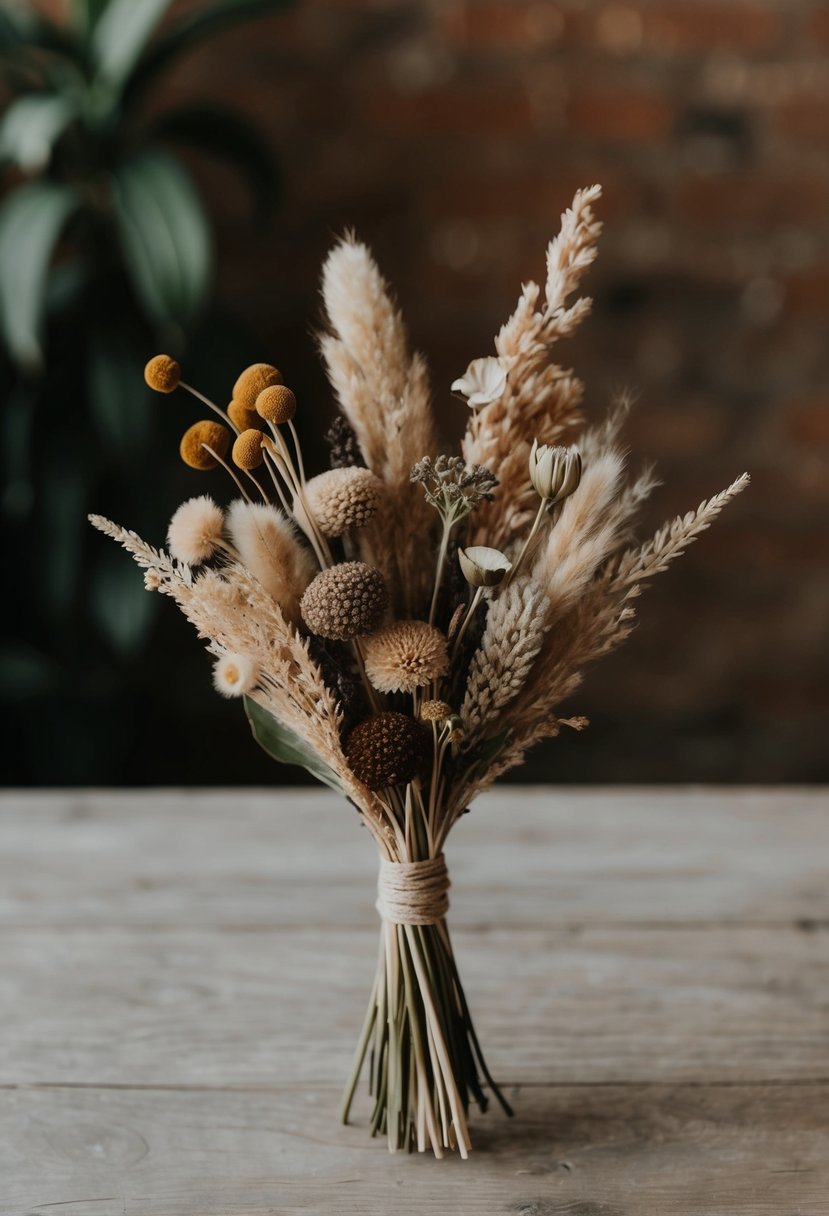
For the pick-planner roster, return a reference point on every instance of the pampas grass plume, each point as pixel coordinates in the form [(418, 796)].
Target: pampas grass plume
[(269, 548)]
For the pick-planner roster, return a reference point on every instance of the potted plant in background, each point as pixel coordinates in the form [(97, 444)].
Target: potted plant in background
[(105, 252)]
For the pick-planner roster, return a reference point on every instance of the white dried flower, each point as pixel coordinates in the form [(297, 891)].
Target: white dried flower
[(235, 675), (195, 531), (555, 472), (482, 566), (483, 382), (405, 656)]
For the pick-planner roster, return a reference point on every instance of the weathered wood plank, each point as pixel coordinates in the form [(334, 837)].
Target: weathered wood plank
[(241, 1007), (583, 1151), (569, 856)]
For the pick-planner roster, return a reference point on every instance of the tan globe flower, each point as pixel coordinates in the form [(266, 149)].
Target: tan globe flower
[(405, 656)]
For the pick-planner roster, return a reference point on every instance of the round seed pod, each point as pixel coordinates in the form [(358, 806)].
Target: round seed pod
[(243, 419), (207, 432), (276, 404), (388, 749), (247, 449), (342, 499), (435, 711), (252, 380), (162, 373), (345, 601)]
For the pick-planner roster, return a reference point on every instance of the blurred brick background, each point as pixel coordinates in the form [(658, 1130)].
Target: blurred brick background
[(450, 135)]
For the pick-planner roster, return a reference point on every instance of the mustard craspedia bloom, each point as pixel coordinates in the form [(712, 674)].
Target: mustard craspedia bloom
[(345, 601), (252, 380), (243, 419), (341, 499), (235, 675), (163, 374), (195, 531), (404, 656), (276, 404), (200, 436), (247, 449), (436, 711), (388, 749)]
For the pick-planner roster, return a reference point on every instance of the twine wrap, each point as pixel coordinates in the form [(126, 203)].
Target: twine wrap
[(413, 893)]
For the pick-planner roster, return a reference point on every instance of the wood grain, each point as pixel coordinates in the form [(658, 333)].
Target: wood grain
[(182, 976)]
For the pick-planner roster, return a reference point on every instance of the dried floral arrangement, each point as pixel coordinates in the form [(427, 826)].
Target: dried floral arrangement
[(406, 624)]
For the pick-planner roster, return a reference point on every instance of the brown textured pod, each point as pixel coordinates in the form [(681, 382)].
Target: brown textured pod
[(345, 601), (198, 437), (247, 449), (341, 499), (276, 404), (388, 749), (252, 380), (163, 374)]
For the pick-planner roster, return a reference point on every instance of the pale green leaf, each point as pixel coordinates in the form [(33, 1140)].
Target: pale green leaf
[(284, 745)]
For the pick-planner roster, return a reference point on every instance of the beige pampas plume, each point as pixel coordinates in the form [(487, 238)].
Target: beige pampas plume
[(269, 548), (541, 400), (383, 391)]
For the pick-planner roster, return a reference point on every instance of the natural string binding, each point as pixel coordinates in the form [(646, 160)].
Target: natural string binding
[(413, 892)]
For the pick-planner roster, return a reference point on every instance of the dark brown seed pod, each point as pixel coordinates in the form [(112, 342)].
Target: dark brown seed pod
[(388, 749)]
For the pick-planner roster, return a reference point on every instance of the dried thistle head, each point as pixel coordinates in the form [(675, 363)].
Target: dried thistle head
[(198, 438), (253, 380), (247, 449), (388, 749), (276, 404), (405, 655), (346, 601), (452, 487), (162, 374), (195, 530), (342, 499)]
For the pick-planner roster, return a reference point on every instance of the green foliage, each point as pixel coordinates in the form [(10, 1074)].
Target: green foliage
[(284, 745), (106, 256)]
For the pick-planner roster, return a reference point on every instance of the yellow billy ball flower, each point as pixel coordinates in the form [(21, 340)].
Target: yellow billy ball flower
[(276, 404), (243, 418), (252, 380), (247, 449), (200, 436), (163, 374)]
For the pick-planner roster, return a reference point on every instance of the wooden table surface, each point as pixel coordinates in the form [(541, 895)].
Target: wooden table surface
[(183, 976)]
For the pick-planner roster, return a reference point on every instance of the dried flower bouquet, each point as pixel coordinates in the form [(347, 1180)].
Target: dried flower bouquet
[(406, 624)]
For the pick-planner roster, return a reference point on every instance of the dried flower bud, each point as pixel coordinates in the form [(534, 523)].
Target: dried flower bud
[(247, 449), (195, 530), (388, 749), (235, 675), (276, 404), (253, 380), (404, 656), (456, 728), (482, 566), (200, 436), (483, 382), (243, 419), (163, 374), (435, 711), (345, 601), (342, 499), (554, 472)]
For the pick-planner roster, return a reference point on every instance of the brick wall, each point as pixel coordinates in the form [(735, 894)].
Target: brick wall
[(451, 135)]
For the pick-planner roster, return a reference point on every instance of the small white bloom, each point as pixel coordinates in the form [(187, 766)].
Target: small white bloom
[(482, 566), (554, 471), (195, 530), (235, 675), (483, 382)]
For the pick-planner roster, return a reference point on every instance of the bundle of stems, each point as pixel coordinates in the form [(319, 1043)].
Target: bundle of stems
[(407, 623)]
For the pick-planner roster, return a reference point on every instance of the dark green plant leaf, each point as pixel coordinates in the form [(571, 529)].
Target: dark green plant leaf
[(221, 132), (84, 15), (187, 30), (25, 673), (31, 221), (31, 126), (164, 236), (285, 745), (121, 34), (120, 402), (119, 602)]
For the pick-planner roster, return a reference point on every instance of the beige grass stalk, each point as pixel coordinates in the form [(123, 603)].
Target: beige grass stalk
[(542, 400), (383, 391)]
